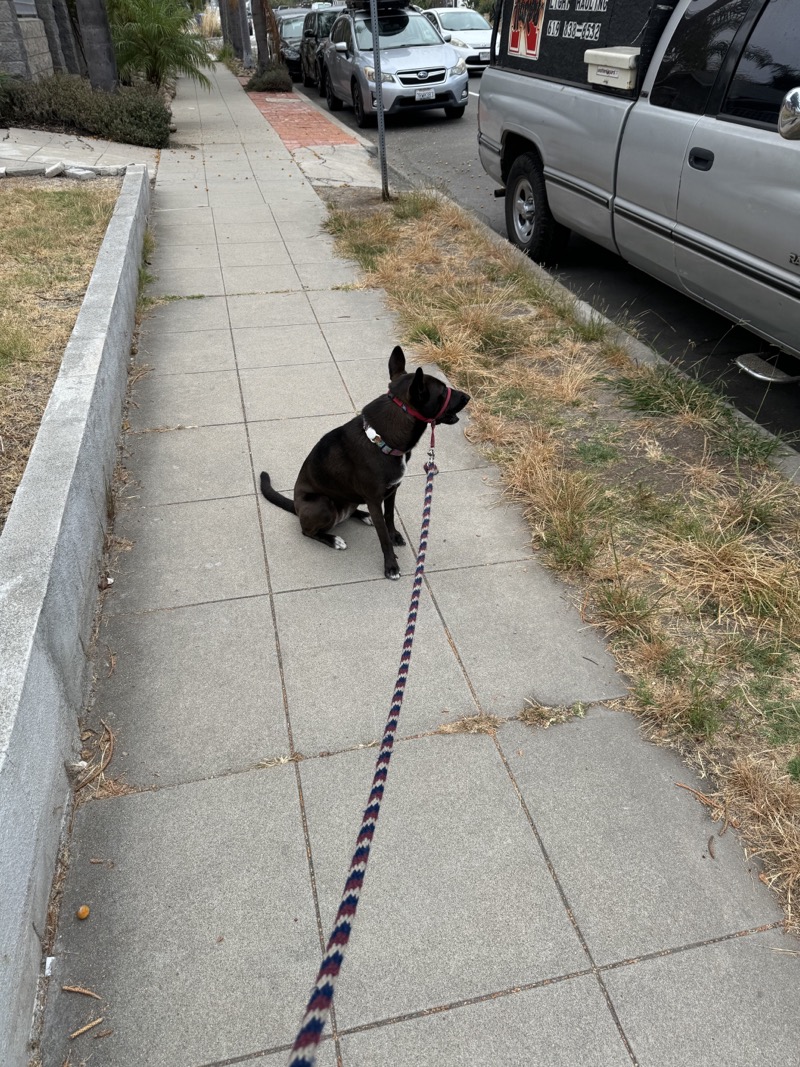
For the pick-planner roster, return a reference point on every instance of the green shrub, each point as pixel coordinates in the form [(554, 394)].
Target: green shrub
[(157, 40), (131, 115), (275, 79)]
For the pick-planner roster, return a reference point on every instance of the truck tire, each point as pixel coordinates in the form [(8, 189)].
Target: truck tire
[(529, 223), (334, 103), (454, 112)]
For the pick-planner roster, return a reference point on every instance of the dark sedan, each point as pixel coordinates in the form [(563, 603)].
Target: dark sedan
[(290, 27)]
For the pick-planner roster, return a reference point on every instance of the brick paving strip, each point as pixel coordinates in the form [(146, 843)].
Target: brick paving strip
[(297, 123)]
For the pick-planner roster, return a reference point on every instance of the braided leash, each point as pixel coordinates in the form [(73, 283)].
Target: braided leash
[(304, 1050)]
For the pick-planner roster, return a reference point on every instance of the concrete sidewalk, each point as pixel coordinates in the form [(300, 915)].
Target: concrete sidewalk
[(537, 899)]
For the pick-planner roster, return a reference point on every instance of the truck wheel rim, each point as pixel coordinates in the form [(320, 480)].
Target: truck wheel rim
[(524, 210)]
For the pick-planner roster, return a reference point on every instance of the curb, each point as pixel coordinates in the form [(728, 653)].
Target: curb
[(50, 551)]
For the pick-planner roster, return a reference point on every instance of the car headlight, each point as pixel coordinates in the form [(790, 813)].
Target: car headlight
[(369, 74), (459, 68), (459, 43)]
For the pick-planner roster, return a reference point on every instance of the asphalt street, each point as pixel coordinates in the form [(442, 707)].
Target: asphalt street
[(427, 148)]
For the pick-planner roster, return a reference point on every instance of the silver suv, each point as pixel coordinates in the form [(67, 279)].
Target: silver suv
[(419, 70)]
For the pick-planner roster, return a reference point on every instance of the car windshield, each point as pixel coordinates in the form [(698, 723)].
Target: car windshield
[(292, 29), (400, 30), (463, 20), (325, 22)]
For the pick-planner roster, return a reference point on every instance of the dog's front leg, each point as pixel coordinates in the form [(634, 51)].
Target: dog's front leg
[(388, 510), (390, 567)]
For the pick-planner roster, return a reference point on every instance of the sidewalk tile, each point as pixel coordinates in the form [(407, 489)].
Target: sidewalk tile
[(563, 1025), (629, 847), (520, 638), (170, 198), (171, 257), (316, 249), (171, 400), (275, 309), (242, 233), (374, 339), (260, 254), (281, 446), (327, 275), (187, 281), (298, 562), (293, 391), (459, 907), (354, 306), (280, 346), (171, 230), (274, 278), (188, 554), (187, 315), (195, 712), (192, 352), (201, 463), (341, 652), (471, 523), (190, 942), (732, 1004), (251, 215)]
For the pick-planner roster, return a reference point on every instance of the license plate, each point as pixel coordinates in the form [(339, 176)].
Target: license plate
[(425, 94), (484, 57)]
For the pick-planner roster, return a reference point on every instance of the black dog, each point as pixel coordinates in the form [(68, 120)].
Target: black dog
[(364, 461)]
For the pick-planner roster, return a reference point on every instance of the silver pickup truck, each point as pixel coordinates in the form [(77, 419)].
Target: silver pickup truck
[(668, 132)]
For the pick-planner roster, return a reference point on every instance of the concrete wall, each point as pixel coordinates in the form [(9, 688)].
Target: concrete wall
[(34, 36), (50, 552), (13, 53), (44, 9)]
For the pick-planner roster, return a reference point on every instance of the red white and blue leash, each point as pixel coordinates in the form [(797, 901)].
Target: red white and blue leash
[(304, 1050)]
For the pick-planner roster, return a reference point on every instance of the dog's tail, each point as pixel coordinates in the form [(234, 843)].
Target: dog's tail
[(273, 496)]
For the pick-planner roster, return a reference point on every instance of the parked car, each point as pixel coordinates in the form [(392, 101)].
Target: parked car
[(470, 33), (680, 150), (419, 70), (290, 27), (316, 30)]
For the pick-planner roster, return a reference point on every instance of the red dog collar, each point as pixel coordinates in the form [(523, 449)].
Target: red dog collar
[(413, 411)]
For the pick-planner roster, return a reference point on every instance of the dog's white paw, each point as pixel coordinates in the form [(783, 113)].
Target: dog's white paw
[(367, 520), (339, 543)]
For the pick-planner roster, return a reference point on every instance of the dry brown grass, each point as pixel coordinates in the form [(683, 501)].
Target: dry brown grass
[(472, 724), (655, 503), (50, 233)]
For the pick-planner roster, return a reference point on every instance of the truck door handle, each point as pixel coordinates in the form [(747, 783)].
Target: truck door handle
[(701, 158)]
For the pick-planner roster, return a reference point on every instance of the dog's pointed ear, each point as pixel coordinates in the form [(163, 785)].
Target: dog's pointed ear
[(419, 390), (397, 362)]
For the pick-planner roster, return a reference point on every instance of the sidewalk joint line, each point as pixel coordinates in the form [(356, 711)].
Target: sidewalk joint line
[(568, 908)]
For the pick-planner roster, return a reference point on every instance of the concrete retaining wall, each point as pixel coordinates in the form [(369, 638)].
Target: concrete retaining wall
[(50, 552), (34, 36)]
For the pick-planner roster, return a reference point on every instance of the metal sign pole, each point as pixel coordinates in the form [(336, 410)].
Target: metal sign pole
[(376, 53)]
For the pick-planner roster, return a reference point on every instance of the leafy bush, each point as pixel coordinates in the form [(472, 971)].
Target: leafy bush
[(274, 79), (158, 40), (131, 115)]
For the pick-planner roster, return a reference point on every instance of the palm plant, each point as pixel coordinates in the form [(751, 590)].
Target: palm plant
[(152, 38)]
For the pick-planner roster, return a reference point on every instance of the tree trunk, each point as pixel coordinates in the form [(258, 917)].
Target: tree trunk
[(224, 21), (260, 30), (97, 46), (247, 51), (235, 26)]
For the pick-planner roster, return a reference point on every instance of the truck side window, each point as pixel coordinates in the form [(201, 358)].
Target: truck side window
[(695, 54), (769, 66)]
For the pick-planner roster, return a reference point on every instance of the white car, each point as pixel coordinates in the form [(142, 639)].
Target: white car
[(467, 31)]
